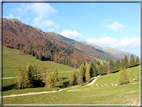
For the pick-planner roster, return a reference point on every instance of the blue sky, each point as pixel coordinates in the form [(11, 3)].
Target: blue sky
[(104, 24)]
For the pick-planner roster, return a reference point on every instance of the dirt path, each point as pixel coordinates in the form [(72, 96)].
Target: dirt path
[(43, 92), (31, 93), (91, 83), (37, 74)]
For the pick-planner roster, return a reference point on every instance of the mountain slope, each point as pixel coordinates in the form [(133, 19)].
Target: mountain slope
[(86, 49), (60, 37), (26, 38), (117, 53)]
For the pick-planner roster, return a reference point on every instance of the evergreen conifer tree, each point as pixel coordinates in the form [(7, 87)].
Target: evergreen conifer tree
[(126, 64), (132, 60), (111, 65), (137, 61)]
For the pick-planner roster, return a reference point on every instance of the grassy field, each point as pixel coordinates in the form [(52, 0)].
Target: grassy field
[(13, 57), (124, 94), (113, 78)]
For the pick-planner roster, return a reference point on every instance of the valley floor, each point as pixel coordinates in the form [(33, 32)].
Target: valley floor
[(125, 94)]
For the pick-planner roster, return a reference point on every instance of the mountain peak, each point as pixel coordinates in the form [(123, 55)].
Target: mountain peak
[(12, 20)]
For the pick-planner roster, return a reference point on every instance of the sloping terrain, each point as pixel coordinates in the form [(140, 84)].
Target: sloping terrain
[(86, 49), (28, 39), (117, 53), (96, 94)]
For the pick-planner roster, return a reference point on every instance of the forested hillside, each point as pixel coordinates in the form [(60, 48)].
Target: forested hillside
[(43, 46)]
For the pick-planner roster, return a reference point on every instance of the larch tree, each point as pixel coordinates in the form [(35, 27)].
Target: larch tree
[(80, 78), (19, 78), (60, 80), (49, 80), (55, 78), (87, 74), (82, 70), (26, 77), (123, 77), (71, 78)]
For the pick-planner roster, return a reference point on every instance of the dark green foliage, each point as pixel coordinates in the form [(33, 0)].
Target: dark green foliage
[(64, 61), (117, 65), (111, 65), (126, 64), (122, 63), (123, 77), (33, 53), (93, 69), (47, 57), (101, 70), (36, 56), (40, 56), (75, 74), (97, 62), (137, 60), (132, 60), (68, 62)]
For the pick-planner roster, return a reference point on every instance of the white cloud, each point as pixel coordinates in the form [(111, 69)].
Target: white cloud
[(115, 42), (72, 34), (115, 26), (41, 13), (11, 16)]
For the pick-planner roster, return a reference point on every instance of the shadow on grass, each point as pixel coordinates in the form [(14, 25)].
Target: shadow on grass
[(9, 87)]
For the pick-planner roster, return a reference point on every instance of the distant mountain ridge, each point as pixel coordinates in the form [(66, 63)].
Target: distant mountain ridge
[(117, 53), (113, 52), (84, 48)]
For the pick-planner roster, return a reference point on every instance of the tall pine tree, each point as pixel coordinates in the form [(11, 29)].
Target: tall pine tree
[(111, 65), (137, 61), (132, 60), (126, 63)]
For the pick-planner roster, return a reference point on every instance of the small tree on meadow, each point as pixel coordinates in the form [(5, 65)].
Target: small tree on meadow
[(60, 80), (49, 80), (123, 77)]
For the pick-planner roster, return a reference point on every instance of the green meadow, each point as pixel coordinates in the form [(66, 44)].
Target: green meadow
[(102, 93), (12, 58), (123, 94)]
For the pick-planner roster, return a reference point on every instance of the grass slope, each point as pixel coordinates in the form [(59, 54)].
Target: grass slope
[(124, 94), (113, 78), (13, 57)]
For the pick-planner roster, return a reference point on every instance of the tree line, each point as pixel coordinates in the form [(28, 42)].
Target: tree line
[(37, 75), (89, 70)]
